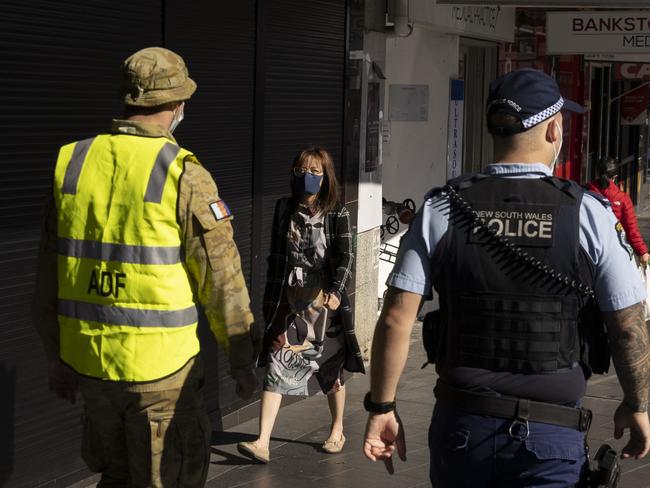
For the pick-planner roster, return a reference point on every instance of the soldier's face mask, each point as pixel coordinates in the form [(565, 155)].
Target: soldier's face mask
[(556, 152), (179, 115)]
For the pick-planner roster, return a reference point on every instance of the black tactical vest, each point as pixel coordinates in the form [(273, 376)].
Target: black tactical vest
[(498, 313)]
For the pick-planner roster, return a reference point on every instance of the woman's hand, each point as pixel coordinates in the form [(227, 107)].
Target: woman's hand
[(332, 301)]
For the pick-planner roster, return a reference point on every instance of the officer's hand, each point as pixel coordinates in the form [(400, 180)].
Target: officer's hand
[(643, 260), (246, 383), (639, 425), (62, 380), (332, 301), (384, 435)]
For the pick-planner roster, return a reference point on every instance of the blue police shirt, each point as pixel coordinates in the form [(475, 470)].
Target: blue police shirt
[(617, 281)]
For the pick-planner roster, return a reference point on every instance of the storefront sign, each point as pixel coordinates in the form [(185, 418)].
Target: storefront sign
[(455, 134), (624, 31), (632, 71), (485, 22), (634, 106)]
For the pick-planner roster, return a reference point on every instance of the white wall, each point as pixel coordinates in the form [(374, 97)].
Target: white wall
[(370, 183), (415, 153), (369, 200)]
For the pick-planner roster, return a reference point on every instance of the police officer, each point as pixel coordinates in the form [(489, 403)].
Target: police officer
[(135, 238), (513, 254)]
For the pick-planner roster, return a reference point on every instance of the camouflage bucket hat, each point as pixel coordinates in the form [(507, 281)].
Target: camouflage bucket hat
[(155, 76)]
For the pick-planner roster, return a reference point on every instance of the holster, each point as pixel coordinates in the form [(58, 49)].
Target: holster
[(594, 341), (603, 472), (432, 332)]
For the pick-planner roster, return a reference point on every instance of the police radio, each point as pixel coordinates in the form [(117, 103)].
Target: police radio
[(606, 471)]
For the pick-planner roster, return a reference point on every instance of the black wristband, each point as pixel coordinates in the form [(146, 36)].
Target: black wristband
[(373, 407)]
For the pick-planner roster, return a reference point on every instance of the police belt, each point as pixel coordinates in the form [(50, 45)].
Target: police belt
[(518, 409)]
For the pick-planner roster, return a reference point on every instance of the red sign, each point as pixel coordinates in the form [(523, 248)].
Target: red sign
[(634, 106), (632, 71)]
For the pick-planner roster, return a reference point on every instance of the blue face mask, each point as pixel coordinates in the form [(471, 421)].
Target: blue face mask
[(308, 184)]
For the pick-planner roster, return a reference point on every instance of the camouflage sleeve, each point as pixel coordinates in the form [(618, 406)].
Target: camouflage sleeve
[(44, 305), (214, 265)]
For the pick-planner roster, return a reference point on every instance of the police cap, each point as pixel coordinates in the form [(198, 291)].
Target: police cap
[(530, 96)]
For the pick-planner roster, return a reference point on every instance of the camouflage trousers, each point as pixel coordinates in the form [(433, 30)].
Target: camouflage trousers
[(147, 434)]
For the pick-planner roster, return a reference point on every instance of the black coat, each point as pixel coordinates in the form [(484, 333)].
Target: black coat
[(339, 268)]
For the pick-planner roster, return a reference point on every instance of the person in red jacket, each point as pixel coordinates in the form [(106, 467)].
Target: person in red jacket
[(621, 205)]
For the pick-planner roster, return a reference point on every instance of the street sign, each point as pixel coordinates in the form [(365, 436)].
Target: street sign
[(455, 130)]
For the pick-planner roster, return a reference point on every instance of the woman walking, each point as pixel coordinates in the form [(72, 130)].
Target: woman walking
[(622, 206), (309, 336)]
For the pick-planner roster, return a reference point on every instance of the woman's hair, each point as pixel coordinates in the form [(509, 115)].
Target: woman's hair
[(607, 169), (328, 195)]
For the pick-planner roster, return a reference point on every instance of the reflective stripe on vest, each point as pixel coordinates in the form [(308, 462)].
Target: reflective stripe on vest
[(74, 166), (126, 306), (114, 315), (124, 253), (159, 172)]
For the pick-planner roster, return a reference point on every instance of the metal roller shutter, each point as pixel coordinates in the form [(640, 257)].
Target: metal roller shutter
[(58, 82), (304, 69), (218, 42)]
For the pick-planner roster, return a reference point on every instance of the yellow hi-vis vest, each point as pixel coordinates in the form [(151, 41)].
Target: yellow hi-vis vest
[(126, 309)]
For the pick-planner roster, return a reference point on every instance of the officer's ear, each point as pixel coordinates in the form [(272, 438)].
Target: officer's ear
[(554, 129)]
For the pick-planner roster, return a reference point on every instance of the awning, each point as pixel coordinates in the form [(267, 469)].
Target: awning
[(551, 3)]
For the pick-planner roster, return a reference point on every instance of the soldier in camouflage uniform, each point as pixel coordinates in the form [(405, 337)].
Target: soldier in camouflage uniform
[(157, 433)]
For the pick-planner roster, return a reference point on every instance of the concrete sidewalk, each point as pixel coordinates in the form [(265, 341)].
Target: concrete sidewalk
[(302, 427)]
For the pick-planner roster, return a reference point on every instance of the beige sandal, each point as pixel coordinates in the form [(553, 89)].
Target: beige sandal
[(251, 450), (334, 447)]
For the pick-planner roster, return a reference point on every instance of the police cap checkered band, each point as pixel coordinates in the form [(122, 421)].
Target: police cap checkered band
[(543, 115), (530, 96)]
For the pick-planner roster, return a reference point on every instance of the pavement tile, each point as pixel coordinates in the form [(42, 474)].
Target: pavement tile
[(302, 427)]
